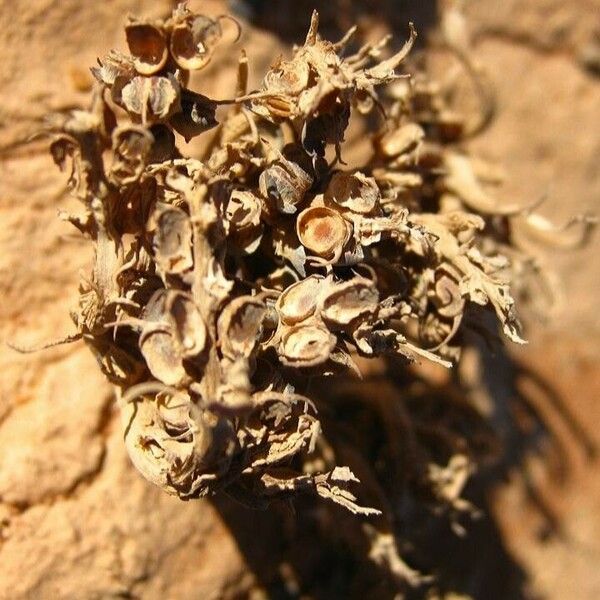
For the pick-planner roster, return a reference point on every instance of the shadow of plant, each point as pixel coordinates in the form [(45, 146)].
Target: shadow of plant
[(337, 16), (390, 428)]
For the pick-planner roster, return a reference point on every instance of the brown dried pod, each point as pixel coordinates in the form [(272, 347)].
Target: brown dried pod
[(187, 322), (306, 345), (172, 331), (162, 354), (299, 301), (131, 148), (243, 209), (285, 183), (240, 326), (167, 438), (345, 302), (323, 231), (243, 212), (354, 191), (161, 351), (193, 42), (172, 242), (148, 46)]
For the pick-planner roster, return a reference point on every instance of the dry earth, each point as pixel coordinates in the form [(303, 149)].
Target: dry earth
[(76, 520)]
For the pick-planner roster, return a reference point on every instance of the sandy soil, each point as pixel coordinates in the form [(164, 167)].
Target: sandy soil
[(76, 520)]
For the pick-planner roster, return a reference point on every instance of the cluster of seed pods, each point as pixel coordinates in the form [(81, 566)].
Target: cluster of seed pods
[(224, 283)]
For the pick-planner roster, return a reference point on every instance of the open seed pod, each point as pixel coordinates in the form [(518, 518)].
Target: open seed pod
[(148, 46), (113, 67), (172, 242), (151, 99), (243, 209), (173, 331), (299, 301), (353, 191), (244, 227), (403, 140), (166, 436), (306, 345), (162, 353), (193, 41), (285, 183), (323, 231), (131, 148), (344, 302), (240, 326), (287, 78), (187, 322)]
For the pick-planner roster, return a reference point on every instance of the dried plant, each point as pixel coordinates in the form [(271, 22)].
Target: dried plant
[(223, 285)]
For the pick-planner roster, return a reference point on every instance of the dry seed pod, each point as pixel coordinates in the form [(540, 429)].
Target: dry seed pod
[(323, 231), (243, 213), (243, 209), (188, 324), (158, 342), (197, 115), (148, 46), (166, 437), (113, 67), (345, 302), (131, 147), (151, 99), (162, 354), (285, 183), (288, 78), (403, 140), (240, 326), (299, 301), (172, 241), (193, 42), (353, 191), (306, 345), (287, 247)]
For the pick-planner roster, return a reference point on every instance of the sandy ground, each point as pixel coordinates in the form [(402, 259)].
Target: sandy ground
[(76, 520)]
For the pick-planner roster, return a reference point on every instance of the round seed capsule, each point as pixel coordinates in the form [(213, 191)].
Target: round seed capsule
[(353, 191), (299, 301), (349, 300), (148, 47), (288, 78), (240, 326), (192, 43), (323, 231), (306, 346)]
